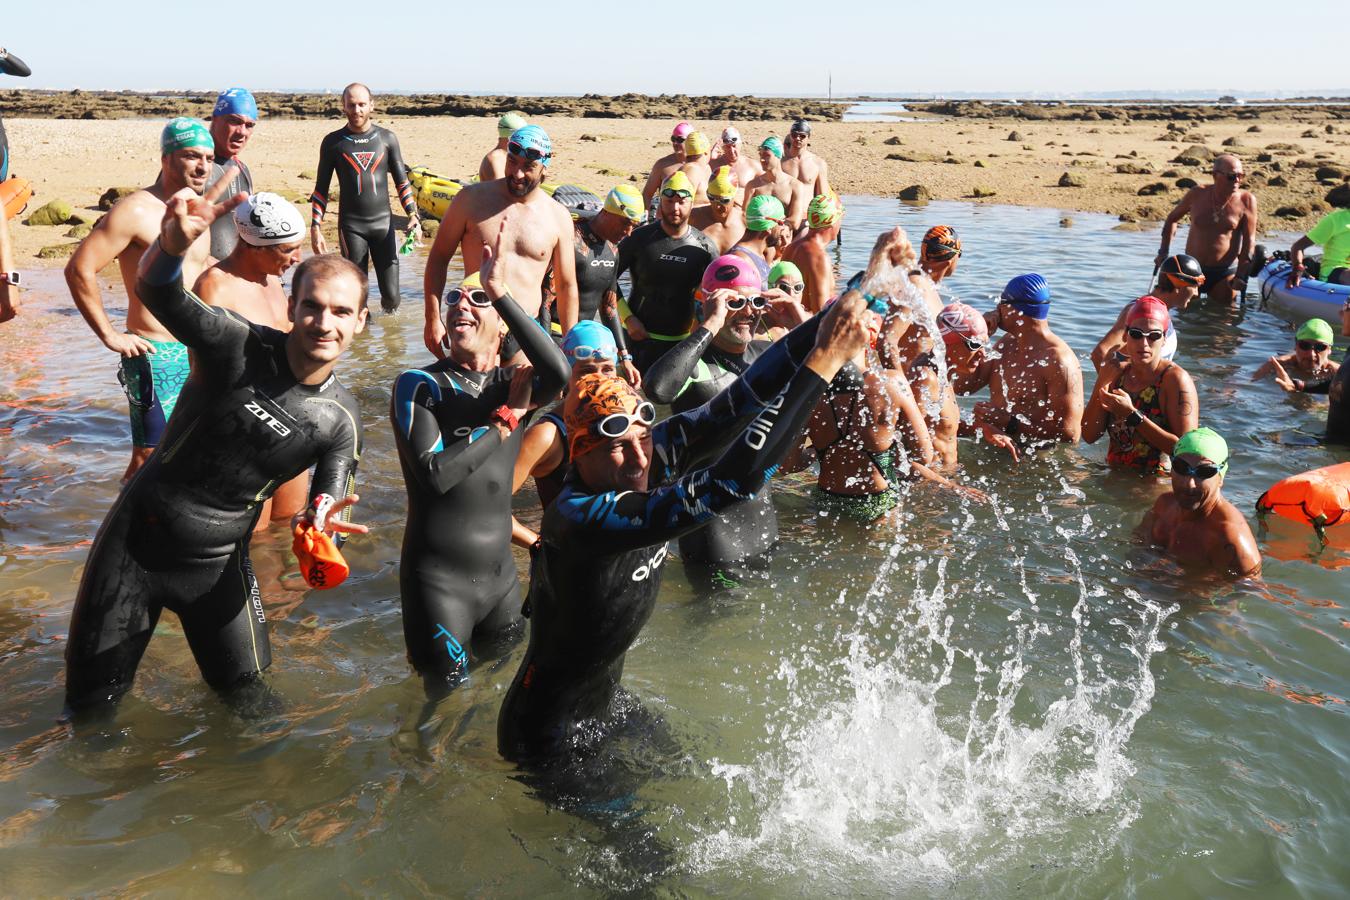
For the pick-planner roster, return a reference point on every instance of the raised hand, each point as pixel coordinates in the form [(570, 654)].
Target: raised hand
[(491, 271), (188, 215)]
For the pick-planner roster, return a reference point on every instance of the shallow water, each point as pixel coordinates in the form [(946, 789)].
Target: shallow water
[(970, 701)]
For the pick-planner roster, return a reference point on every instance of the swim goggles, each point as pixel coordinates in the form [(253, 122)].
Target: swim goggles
[(616, 425), (476, 297), (673, 192), (1315, 346), (971, 344), (1139, 334), (533, 154), (788, 287), (676, 140), (583, 352), (738, 302), (1199, 473)]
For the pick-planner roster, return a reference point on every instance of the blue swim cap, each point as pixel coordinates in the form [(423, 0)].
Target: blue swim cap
[(1029, 295), (589, 340), (533, 138), (236, 101)]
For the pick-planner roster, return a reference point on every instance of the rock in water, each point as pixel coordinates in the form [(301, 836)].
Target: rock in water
[(55, 213)]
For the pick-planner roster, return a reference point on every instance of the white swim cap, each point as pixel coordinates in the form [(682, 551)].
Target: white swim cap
[(266, 219)]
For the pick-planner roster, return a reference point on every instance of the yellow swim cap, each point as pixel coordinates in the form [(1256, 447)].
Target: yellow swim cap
[(696, 144), (473, 282), (624, 201), (678, 182), (723, 184)]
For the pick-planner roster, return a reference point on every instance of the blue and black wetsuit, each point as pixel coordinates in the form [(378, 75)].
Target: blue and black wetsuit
[(457, 577), (595, 578), (177, 536), (665, 271), (9, 65), (687, 377), (364, 162)]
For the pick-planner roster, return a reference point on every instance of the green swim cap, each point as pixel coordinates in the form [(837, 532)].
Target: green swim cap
[(824, 211), (1316, 330), (764, 212), (1204, 442), (508, 123), (784, 269), (773, 145), (183, 132)]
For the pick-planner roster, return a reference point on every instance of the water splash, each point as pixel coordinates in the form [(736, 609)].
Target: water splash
[(915, 758)]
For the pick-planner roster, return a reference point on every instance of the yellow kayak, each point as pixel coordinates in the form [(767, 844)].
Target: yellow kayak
[(433, 192)]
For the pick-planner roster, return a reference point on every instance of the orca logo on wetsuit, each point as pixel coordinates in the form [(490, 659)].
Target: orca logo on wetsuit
[(758, 431), (644, 571), (267, 418), (607, 263)]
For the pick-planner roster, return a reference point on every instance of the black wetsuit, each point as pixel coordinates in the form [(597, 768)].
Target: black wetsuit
[(687, 377), (597, 275), (364, 162), (224, 233), (9, 65), (665, 271), (457, 577), (177, 536), (595, 578), (1338, 413)]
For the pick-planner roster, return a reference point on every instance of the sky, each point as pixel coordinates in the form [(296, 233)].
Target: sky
[(605, 47)]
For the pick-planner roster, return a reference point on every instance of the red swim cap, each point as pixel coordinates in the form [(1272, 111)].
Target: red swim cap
[(958, 322), (1149, 309)]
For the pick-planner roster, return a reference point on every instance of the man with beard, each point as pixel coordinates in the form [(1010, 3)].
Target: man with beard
[(365, 156), (722, 219), (232, 121), (538, 236), (154, 362)]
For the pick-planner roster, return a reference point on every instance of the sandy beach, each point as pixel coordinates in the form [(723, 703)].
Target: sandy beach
[(1293, 156)]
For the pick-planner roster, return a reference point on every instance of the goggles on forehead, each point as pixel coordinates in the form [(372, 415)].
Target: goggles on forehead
[(582, 352)]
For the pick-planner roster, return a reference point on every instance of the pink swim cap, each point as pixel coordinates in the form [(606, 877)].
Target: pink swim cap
[(1149, 309), (730, 271), (958, 322), (682, 130)]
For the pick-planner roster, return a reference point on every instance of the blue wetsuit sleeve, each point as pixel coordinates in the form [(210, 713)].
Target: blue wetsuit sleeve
[(213, 332), (421, 443), (634, 519), (550, 366), (318, 200), (667, 377), (335, 473)]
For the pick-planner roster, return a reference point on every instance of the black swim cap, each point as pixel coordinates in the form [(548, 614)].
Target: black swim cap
[(1185, 268), (801, 126)]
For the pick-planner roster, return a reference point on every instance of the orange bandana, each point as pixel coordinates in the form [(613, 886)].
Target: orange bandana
[(592, 398)]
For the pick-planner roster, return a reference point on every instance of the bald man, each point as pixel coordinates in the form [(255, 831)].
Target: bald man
[(1223, 229)]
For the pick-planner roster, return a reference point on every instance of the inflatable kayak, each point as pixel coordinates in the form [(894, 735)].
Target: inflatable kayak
[(1312, 299), (578, 200), (433, 192), (14, 196)]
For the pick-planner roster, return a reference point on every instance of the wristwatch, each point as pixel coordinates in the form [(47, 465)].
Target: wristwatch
[(9, 278), (1134, 419), (504, 415)]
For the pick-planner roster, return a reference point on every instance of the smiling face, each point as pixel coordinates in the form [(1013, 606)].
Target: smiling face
[(328, 310), (187, 167), (523, 175), (357, 106), (470, 330), (1309, 357), (618, 464)]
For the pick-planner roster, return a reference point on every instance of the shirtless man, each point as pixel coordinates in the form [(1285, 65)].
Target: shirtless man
[(1223, 229), (1194, 524), (965, 338), (1310, 359), (233, 119), (154, 364), (722, 219), (1035, 381), (823, 218), (493, 165), (270, 233), (743, 167), (538, 235), (773, 180), (667, 165), (802, 164), (939, 253), (696, 166)]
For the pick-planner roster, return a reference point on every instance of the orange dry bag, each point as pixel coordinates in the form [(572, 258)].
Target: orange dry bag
[(1320, 498), (321, 562), (14, 196)]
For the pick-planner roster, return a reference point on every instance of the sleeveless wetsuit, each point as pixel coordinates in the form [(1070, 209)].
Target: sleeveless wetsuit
[(457, 576), (1128, 449), (597, 275), (9, 65), (224, 234), (363, 163), (686, 378), (760, 263), (864, 507), (595, 579), (665, 271), (177, 536)]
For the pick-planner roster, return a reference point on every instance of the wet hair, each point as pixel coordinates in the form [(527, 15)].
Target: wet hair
[(326, 266)]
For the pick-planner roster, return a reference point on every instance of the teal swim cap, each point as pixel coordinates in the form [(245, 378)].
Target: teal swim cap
[(589, 340), (1204, 442), (183, 132), (773, 145), (1316, 330)]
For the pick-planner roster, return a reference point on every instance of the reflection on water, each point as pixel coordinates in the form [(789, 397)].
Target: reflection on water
[(965, 698)]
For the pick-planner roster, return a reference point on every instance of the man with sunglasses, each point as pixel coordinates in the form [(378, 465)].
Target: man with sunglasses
[(721, 220), (743, 168), (791, 193), (1193, 522), (1035, 380), (666, 260), (537, 237), (364, 156), (1178, 284), (458, 426), (666, 166), (706, 363), (1336, 386), (1223, 229), (596, 576), (1311, 359), (803, 165)]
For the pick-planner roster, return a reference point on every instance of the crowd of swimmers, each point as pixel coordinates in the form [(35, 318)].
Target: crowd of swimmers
[(543, 368)]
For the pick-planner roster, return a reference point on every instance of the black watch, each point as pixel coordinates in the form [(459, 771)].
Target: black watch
[(1134, 419)]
